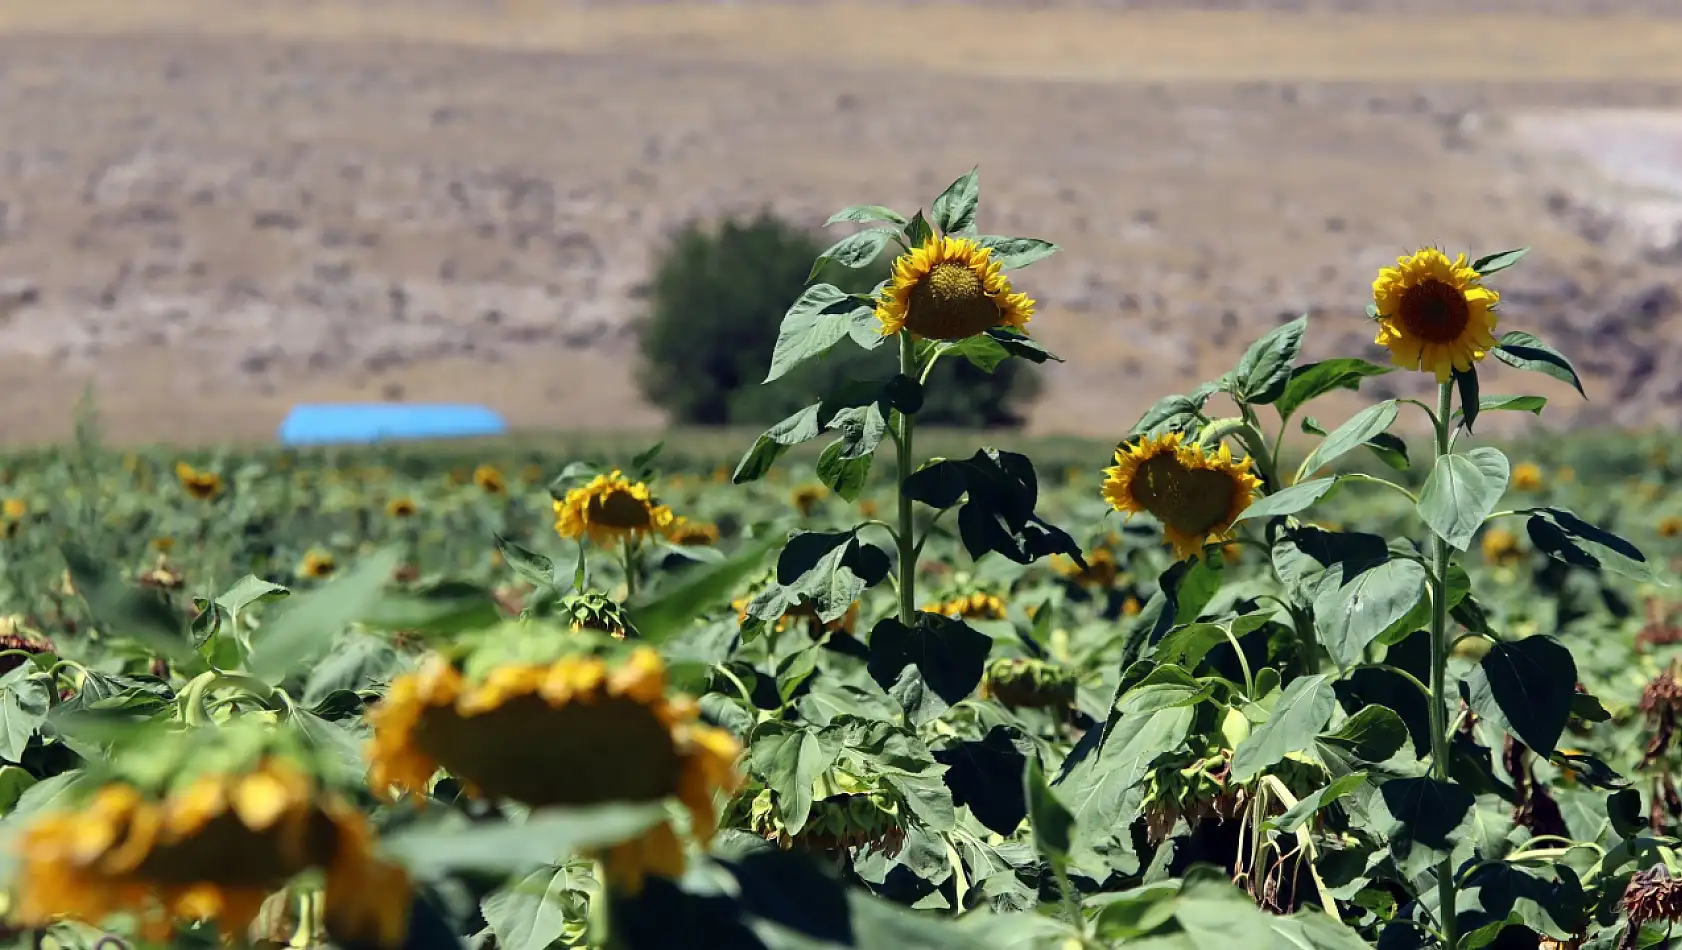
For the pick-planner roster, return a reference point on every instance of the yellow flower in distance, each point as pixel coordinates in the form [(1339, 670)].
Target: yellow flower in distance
[(13, 509), (1432, 314), (977, 606), (317, 565), (213, 847), (805, 498), (1527, 476), (1500, 547), (401, 508), (609, 508), (688, 533), (1101, 569), (951, 288), (573, 732), (489, 480), (1195, 494), (1670, 527), (201, 485)]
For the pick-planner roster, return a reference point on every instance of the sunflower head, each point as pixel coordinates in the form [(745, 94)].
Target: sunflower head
[(1500, 547), (976, 606), (610, 508), (1024, 683), (573, 727), (151, 832), (593, 610), (489, 479), (317, 565), (805, 498), (1527, 477), (201, 485), (1100, 572), (401, 507), (1195, 493), (688, 533), (13, 509), (1670, 527), (950, 288), (1432, 313)]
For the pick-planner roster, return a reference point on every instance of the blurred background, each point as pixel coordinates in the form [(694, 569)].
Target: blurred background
[(590, 216)]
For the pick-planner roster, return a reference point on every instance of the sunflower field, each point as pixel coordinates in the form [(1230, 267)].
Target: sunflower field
[(1237, 680)]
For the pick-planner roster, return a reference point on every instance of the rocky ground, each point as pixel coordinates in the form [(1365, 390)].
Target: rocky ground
[(215, 210)]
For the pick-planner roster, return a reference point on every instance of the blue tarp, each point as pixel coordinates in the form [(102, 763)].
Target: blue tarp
[(373, 422)]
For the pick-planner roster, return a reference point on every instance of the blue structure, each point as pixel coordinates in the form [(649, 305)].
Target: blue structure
[(345, 423)]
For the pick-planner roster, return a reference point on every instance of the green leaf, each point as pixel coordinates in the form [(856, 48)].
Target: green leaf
[(666, 610), (1265, 368), (1466, 383), (803, 426), (447, 607), (831, 568), (854, 250), (844, 465), (950, 654), (530, 565), (307, 624), (917, 230), (1531, 404), (1020, 344), (1311, 804), (1499, 261), (14, 781), (1101, 789), (1526, 686), (864, 214), (1563, 536), (1361, 427), (790, 758), (1299, 716), (1462, 490), (954, 209), (507, 847), (1290, 500), (538, 910), (1312, 929), (1424, 819), (1375, 733), (1314, 380), (249, 590), (810, 328), (1525, 351), (1051, 820), (1014, 252), (23, 707), (1352, 615), (123, 611)]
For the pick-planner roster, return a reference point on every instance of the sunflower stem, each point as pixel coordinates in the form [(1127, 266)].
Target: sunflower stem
[(1439, 672), (630, 571), (907, 535)]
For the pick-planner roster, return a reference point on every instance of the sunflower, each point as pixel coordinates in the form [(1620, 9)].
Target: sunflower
[(609, 508), (806, 612), (692, 533), (1131, 606), (1670, 527), (868, 508), (805, 498), (163, 544), (1500, 547), (401, 507), (606, 734), (201, 485), (317, 565), (1101, 569), (207, 846), (13, 509), (950, 288), (1194, 493), (1432, 314), (1527, 476), (977, 606), (489, 480)]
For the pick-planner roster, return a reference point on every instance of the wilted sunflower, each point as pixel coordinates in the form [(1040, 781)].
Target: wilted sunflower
[(574, 732), (401, 507), (207, 846), (1195, 494), (977, 606), (609, 508), (490, 480), (1432, 314), (951, 288), (1527, 476), (316, 565), (200, 485), (692, 533)]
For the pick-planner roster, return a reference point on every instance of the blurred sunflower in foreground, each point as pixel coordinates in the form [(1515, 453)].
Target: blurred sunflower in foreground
[(576, 729), (204, 825), (1197, 494)]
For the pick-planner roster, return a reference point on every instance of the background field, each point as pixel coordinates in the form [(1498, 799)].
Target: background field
[(219, 209)]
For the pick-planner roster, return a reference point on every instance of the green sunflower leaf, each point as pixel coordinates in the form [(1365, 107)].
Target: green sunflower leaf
[(790, 758), (1052, 821), (1462, 490), (854, 250), (1296, 720), (1499, 261), (1014, 252), (803, 426), (1526, 687), (1290, 500), (1316, 379), (503, 847), (1351, 615), (307, 624), (1525, 351), (810, 328), (1360, 428), (1563, 536), (865, 214), (954, 209), (666, 610), (1265, 368)]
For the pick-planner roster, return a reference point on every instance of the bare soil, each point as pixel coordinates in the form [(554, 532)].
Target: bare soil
[(214, 210)]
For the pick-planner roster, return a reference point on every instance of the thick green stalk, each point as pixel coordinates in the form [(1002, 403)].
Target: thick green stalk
[(907, 536), (1439, 671)]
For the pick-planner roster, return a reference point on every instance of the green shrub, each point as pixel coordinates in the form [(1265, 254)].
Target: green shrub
[(715, 303)]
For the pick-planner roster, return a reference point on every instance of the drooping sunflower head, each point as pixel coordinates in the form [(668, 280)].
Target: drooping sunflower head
[(594, 610), (201, 485), (1433, 315), (688, 533), (578, 729), (401, 507), (489, 479), (609, 508), (205, 827), (317, 565), (950, 288), (1196, 494)]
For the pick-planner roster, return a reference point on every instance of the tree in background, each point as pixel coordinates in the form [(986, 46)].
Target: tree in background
[(715, 303)]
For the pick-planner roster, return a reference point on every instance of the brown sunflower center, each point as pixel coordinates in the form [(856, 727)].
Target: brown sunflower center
[(232, 855), (1435, 312), (1192, 501), (618, 509), (609, 749), (950, 303)]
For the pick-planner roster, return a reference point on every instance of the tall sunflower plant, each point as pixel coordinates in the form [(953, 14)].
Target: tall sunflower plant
[(1344, 682)]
